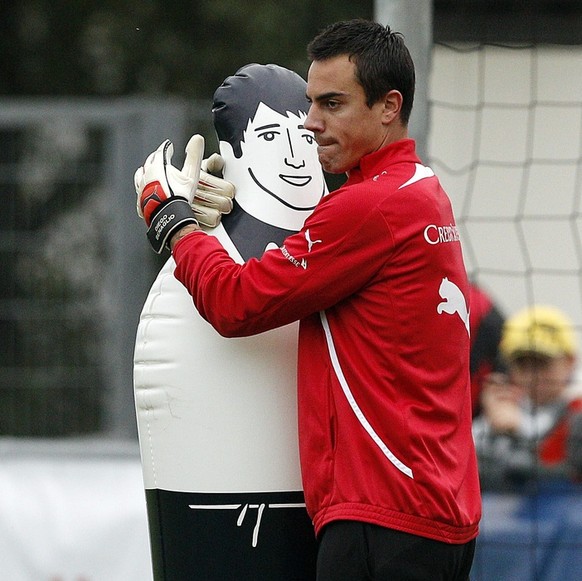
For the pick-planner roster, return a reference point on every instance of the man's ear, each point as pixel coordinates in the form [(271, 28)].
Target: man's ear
[(392, 105)]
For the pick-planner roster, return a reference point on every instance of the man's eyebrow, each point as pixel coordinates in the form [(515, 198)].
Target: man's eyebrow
[(326, 96), (267, 127)]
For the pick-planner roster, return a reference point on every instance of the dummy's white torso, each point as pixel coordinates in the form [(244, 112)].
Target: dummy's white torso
[(214, 414)]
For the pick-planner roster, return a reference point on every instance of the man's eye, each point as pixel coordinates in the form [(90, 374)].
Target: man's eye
[(269, 135), (332, 104)]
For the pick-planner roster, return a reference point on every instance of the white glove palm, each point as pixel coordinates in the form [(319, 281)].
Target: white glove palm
[(213, 195)]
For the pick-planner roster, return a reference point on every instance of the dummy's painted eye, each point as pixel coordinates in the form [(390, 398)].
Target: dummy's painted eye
[(269, 135), (309, 138)]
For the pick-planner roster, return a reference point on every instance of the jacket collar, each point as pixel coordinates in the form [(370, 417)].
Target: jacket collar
[(403, 150)]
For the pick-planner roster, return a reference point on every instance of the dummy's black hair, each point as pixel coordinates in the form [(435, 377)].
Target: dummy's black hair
[(237, 99)]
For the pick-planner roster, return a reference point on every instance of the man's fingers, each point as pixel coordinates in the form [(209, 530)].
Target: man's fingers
[(207, 216), (214, 164), (194, 155)]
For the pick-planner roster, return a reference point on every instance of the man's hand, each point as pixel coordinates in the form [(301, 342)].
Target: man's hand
[(161, 186), (213, 195), (500, 401), (165, 194)]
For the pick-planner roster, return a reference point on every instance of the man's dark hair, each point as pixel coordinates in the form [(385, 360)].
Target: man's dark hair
[(382, 60), (237, 99)]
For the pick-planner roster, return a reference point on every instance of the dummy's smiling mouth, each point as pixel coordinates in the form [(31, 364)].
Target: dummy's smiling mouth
[(284, 202), (298, 181)]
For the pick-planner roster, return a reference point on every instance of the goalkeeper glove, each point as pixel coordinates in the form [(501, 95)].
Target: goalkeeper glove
[(167, 198), (213, 195)]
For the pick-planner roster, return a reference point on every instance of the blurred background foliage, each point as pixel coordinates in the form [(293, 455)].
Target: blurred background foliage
[(154, 47), (187, 47)]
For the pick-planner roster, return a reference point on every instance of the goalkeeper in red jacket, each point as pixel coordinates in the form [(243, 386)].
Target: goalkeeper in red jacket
[(376, 279)]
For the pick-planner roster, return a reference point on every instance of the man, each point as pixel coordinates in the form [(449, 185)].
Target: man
[(531, 425), (376, 277)]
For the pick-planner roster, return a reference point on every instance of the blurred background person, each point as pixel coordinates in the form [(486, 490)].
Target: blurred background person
[(530, 427), (486, 323)]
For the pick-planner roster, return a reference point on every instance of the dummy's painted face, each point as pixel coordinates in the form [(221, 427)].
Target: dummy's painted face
[(293, 175), (278, 177)]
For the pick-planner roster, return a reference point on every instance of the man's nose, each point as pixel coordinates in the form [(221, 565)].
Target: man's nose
[(312, 122)]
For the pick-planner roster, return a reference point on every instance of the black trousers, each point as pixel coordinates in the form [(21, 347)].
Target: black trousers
[(358, 551)]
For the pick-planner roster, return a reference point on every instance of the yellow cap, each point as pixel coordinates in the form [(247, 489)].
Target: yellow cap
[(538, 330)]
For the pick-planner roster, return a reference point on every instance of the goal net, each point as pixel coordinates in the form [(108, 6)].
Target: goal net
[(506, 141)]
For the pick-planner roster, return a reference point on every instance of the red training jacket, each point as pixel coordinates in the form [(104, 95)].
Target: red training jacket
[(377, 279)]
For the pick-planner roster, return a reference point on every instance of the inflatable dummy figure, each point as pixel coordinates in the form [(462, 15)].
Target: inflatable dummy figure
[(217, 417)]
